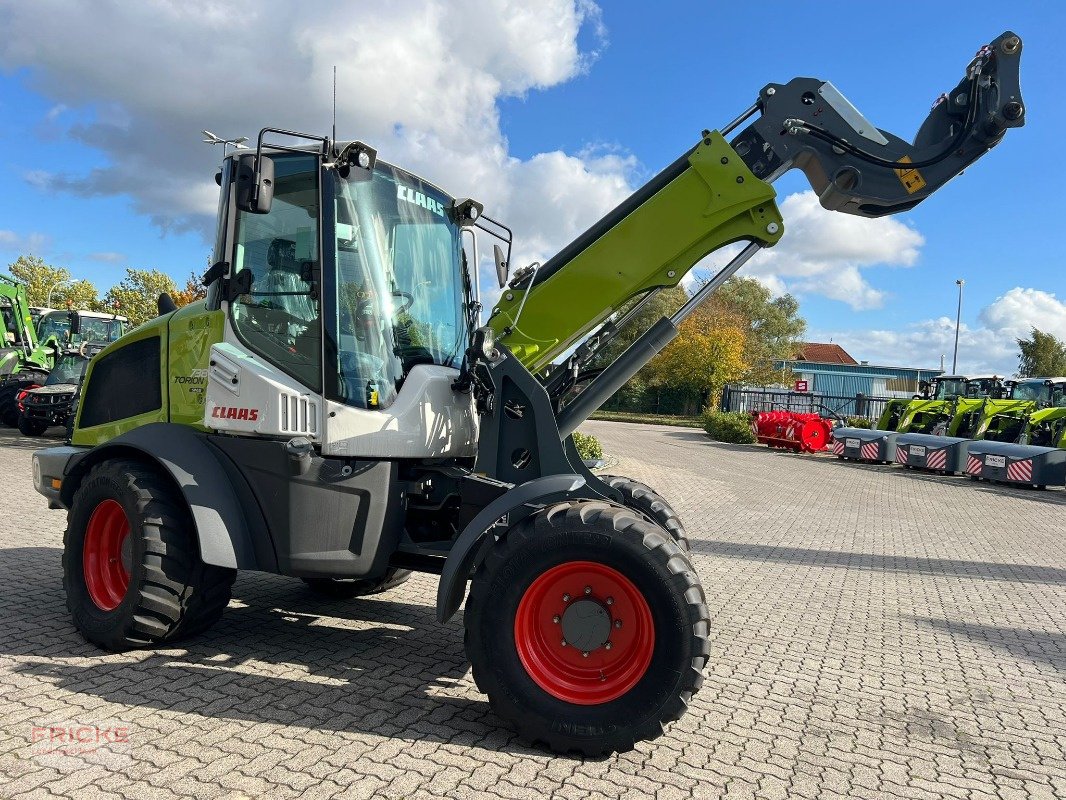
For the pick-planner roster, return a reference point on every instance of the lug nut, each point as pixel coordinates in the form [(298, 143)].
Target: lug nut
[(588, 590), (555, 619), (584, 653), (618, 623), (563, 643), (607, 645), (610, 601), (566, 598)]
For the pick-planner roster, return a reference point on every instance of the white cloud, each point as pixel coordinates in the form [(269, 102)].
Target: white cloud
[(108, 257), (418, 79), (824, 253), (1020, 310), (23, 244), (989, 347)]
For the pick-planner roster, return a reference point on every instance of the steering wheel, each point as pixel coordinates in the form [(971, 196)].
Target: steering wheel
[(409, 301)]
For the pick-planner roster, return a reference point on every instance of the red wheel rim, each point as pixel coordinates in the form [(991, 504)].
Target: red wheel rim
[(584, 599), (106, 555)]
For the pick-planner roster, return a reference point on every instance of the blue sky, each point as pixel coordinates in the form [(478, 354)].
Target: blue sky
[(565, 110)]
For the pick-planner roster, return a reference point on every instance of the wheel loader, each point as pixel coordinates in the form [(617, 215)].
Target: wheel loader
[(337, 410)]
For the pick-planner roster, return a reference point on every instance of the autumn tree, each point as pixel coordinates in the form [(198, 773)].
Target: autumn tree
[(194, 290), (1043, 355), (136, 296), (707, 354), (42, 279), (772, 326)]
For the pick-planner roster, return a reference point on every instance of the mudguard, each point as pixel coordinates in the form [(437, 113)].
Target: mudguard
[(463, 555), (224, 525)]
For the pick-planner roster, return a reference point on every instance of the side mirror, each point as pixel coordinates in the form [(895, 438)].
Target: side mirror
[(502, 267), (255, 183), (75, 324)]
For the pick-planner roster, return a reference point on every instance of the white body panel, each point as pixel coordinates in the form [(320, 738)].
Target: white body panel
[(247, 395)]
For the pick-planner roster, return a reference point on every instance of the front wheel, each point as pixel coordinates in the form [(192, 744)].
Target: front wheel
[(131, 565), (9, 392), (641, 497), (587, 628), (31, 427)]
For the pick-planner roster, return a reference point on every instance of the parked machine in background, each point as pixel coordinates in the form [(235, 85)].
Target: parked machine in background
[(53, 331), (53, 402), (952, 406), (336, 411)]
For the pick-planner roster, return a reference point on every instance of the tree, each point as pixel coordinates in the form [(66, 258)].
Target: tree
[(136, 296), (194, 290), (1043, 355), (772, 326), (42, 279), (663, 304), (707, 354)]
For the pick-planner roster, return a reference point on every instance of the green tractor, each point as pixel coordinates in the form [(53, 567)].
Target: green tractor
[(337, 411), (1008, 420), (952, 406), (33, 349)]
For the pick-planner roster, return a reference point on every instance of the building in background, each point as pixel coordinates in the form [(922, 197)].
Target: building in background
[(830, 370), (823, 378)]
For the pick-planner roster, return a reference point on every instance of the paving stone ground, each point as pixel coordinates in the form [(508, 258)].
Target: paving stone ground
[(876, 633)]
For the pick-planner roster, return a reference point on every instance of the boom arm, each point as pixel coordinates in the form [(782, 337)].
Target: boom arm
[(719, 193)]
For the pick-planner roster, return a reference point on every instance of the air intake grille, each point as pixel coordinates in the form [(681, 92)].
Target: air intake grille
[(298, 414)]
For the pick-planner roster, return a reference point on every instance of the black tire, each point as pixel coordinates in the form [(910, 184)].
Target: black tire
[(641, 497), (9, 389), (31, 427), (347, 588), (171, 593), (623, 541)]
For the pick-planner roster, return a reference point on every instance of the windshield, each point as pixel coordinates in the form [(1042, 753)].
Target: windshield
[(399, 294), (99, 329), (947, 389), (983, 387), (69, 369), (1035, 391), (54, 323)]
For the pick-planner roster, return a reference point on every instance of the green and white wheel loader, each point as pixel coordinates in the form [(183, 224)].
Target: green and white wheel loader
[(337, 411)]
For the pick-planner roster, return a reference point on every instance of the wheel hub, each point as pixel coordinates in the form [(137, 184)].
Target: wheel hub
[(586, 625), (107, 555), (584, 632)]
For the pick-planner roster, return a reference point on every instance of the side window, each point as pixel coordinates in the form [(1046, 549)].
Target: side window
[(279, 317)]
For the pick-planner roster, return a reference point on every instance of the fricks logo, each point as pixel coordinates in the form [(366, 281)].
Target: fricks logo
[(229, 412), (409, 195)]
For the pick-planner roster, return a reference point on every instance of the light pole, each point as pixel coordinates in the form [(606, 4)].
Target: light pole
[(958, 320), (55, 286)]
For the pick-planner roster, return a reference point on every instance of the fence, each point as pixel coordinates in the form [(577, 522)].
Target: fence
[(734, 399)]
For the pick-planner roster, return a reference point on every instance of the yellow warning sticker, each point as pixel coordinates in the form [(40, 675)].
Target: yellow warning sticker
[(911, 179)]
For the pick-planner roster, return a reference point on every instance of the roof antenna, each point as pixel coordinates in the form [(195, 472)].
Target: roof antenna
[(334, 108)]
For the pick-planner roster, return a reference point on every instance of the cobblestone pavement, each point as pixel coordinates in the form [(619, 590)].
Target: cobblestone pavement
[(876, 633)]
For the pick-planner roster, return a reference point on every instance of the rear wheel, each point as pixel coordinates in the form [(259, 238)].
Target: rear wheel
[(9, 391), (587, 628), (31, 427), (131, 566), (641, 497), (347, 588)]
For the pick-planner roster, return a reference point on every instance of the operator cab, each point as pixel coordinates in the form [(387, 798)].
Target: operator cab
[(981, 386), (1045, 392), (350, 283), (344, 279), (948, 387)]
